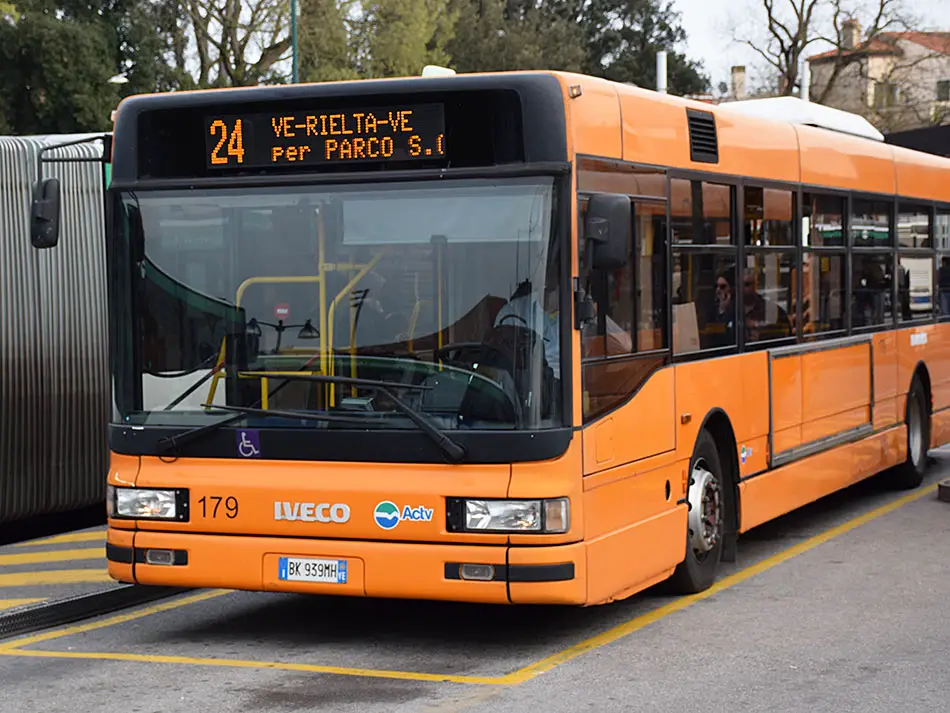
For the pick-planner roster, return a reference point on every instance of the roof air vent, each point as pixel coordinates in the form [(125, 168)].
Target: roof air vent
[(703, 141)]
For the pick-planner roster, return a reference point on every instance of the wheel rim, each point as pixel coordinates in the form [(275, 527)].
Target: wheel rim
[(705, 510), (915, 435)]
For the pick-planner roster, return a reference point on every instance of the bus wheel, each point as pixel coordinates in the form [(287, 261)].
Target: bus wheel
[(910, 473), (704, 533)]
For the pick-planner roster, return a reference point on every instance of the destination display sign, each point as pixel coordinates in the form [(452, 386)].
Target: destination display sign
[(388, 133)]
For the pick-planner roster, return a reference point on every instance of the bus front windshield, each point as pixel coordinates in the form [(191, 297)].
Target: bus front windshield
[(292, 299)]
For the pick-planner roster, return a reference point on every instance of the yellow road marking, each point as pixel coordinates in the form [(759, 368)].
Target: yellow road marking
[(628, 627), (95, 536), (13, 603), (54, 576), (119, 619), (14, 648), (86, 553), (240, 663)]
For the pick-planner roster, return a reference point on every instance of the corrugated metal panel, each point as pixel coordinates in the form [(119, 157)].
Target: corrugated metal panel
[(54, 385)]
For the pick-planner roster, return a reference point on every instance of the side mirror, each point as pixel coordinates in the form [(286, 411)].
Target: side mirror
[(609, 230), (44, 214)]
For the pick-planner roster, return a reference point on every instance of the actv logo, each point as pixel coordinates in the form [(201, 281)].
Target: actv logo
[(387, 514), (312, 512)]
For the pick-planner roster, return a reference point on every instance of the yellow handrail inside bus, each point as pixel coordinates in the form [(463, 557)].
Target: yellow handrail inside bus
[(354, 310), (332, 311), (414, 321), (217, 373), (291, 279)]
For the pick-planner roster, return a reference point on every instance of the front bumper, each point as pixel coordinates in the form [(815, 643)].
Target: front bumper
[(523, 575)]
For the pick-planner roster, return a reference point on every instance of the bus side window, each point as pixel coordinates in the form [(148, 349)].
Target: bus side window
[(704, 266), (769, 279), (824, 264), (627, 340), (915, 271)]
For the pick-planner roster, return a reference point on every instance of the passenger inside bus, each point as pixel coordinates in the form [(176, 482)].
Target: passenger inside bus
[(719, 329), (943, 285), (764, 318)]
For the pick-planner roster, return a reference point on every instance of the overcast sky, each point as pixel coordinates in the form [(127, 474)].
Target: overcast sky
[(710, 25)]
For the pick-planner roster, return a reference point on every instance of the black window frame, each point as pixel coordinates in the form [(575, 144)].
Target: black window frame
[(794, 249), (841, 250), (733, 249), (664, 354), (888, 250), (912, 252), (939, 209)]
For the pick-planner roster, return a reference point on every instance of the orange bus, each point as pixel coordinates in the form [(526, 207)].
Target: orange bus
[(525, 337)]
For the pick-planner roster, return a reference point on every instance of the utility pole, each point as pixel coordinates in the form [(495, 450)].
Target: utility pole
[(293, 36), (661, 79)]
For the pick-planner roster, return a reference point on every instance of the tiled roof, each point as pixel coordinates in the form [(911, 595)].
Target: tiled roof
[(886, 43)]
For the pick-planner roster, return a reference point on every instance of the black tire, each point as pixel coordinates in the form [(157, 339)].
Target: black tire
[(910, 473), (698, 569)]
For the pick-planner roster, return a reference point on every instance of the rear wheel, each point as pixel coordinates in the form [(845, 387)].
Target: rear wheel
[(704, 533), (910, 473)]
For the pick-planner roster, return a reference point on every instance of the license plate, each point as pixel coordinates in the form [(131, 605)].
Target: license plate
[(307, 569)]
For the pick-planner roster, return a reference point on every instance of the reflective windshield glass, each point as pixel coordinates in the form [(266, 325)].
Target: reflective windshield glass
[(444, 292)]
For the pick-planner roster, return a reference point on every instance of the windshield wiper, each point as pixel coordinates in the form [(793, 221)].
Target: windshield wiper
[(450, 448), (167, 444)]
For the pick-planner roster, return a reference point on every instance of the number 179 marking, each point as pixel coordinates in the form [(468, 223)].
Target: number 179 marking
[(211, 504)]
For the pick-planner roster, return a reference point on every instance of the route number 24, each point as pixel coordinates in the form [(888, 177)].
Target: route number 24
[(211, 504), (234, 138)]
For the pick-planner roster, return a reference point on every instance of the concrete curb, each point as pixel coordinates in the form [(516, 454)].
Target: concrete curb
[(57, 612)]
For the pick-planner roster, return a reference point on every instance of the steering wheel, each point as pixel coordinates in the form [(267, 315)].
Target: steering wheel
[(512, 315)]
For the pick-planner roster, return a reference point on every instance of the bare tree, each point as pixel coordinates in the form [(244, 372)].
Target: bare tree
[(795, 28), (232, 42)]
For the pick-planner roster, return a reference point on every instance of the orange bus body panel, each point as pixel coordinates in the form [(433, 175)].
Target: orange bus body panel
[(655, 132), (635, 531), (120, 538), (836, 391), (935, 353), (593, 118), (572, 591), (787, 402), (736, 385), (886, 390), (556, 478), (845, 162), (780, 491), (920, 175), (636, 557), (632, 434)]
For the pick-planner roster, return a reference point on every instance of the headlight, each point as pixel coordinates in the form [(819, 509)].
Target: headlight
[(541, 516), (147, 503)]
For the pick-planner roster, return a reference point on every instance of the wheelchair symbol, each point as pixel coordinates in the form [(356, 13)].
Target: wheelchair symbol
[(247, 448)]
